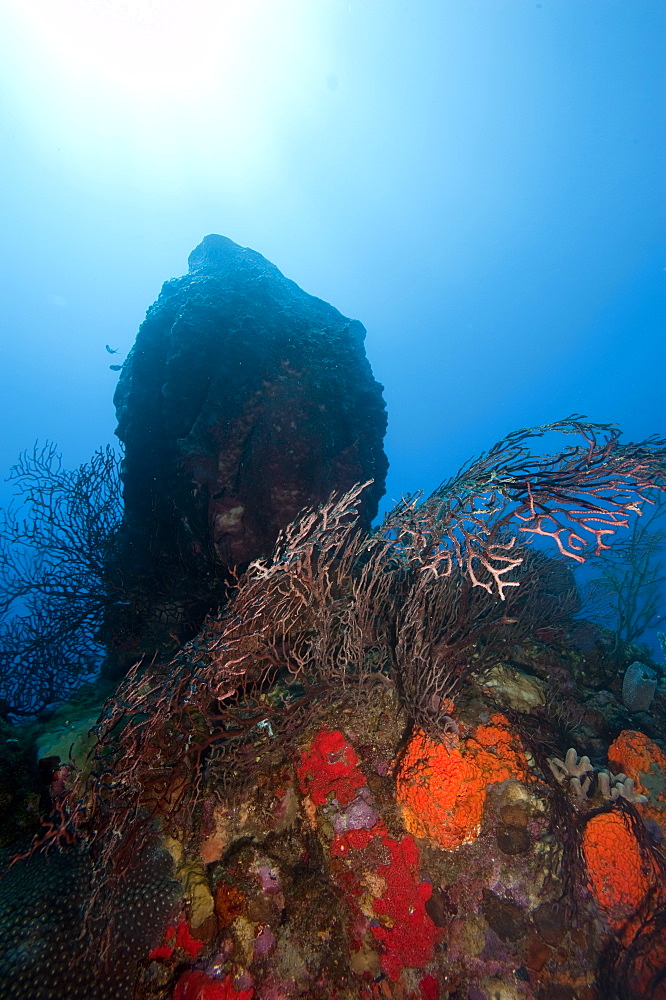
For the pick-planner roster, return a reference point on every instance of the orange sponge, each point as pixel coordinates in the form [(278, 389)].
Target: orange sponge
[(615, 865), (641, 759), (441, 785)]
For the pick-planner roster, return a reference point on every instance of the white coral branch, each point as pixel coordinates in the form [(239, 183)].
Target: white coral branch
[(571, 767), (615, 786)]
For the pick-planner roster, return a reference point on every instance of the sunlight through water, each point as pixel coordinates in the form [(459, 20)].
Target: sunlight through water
[(166, 78)]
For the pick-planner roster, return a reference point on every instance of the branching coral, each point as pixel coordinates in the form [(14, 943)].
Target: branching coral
[(583, 780), (577, 498), (619, 786), (632, 577)]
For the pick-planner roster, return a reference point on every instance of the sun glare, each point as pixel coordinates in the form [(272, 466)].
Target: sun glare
[(149, 49), (163, 77)]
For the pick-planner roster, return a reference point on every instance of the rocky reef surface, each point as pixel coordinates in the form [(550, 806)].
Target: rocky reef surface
[(365, 859)]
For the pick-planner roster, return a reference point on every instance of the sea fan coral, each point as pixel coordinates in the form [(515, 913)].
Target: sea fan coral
[(53, 588)]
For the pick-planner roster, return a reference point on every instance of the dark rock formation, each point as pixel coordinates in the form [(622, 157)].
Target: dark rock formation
[(243, 400)]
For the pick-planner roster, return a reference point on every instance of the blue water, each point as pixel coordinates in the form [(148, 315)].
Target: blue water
[(480, 183)]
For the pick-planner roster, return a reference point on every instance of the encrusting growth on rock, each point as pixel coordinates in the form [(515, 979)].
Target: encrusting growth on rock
[(441, 785)]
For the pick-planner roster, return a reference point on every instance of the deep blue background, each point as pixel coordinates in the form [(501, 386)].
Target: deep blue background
[(480, 183)]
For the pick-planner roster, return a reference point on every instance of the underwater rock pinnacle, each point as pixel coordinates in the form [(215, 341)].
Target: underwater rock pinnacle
[(243, 400)]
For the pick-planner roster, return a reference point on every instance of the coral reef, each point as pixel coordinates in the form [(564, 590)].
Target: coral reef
[(348, 812), (319, 891), (309, 880), (370, 763)]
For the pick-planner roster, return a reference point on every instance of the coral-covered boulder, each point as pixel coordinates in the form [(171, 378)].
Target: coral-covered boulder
[(243, 400)]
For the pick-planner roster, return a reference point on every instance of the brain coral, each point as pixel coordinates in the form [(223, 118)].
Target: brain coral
[(441, 785)]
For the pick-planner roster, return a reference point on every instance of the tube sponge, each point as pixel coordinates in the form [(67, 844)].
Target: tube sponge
[(638, 687)]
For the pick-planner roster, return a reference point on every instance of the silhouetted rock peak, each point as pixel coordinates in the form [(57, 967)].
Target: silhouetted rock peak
[(243, 400), (216, 254)]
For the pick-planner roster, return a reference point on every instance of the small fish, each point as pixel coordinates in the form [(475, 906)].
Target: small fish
[(115, 368), (112, 350)]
